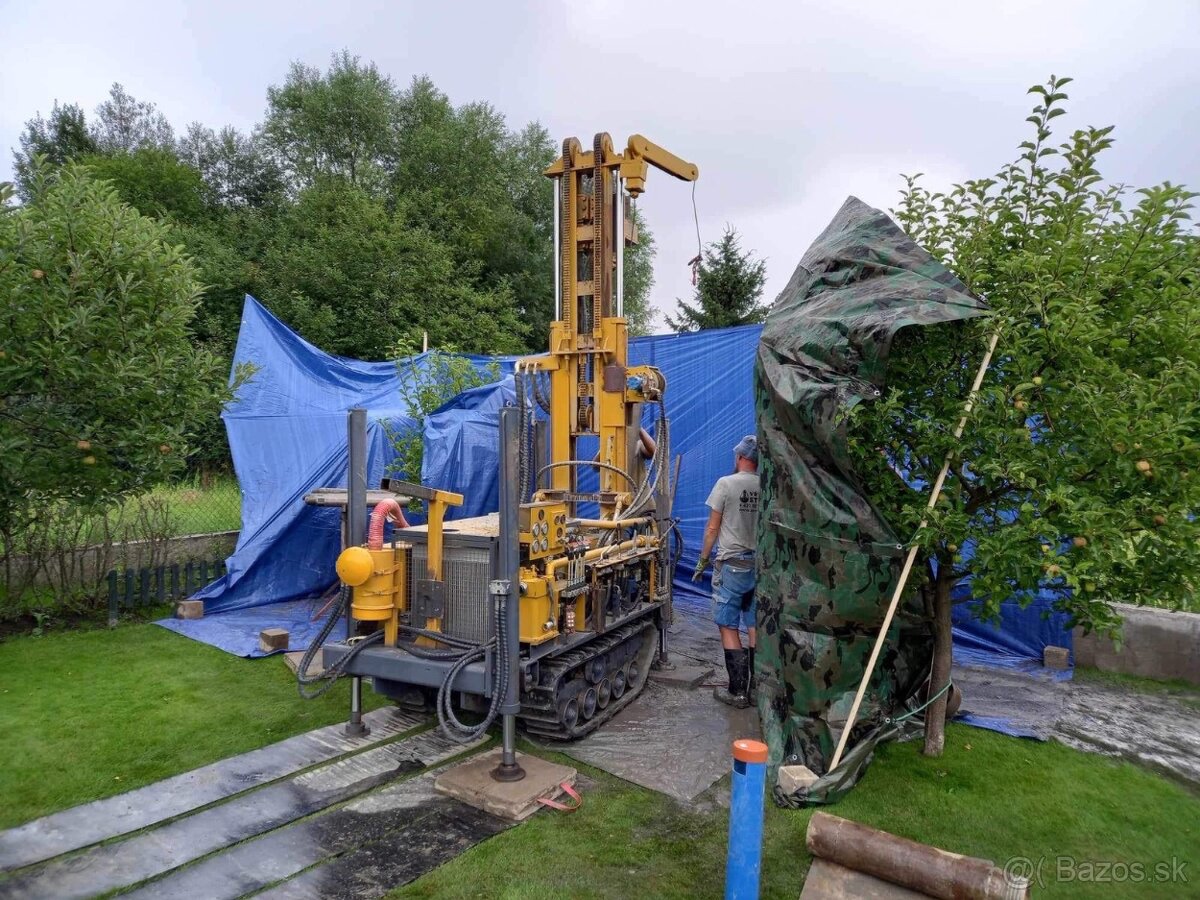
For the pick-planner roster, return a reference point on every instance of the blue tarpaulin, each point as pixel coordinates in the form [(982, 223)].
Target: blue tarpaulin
[(287, 434)]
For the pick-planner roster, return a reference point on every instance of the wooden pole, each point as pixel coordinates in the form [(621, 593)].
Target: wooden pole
[(911, 557)]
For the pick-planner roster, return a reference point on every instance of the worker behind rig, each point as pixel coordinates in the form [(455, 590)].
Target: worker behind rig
[(732, 518)]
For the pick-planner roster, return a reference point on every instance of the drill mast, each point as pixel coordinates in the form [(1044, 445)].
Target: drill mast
[(593, 390)]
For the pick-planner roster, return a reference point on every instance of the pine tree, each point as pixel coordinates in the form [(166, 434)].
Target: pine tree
[(728, 289)]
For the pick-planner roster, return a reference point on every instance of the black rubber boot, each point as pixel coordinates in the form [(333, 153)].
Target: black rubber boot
[(735, 665), (751, 681)]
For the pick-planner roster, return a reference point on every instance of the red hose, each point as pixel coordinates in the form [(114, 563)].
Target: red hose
[(388, 509)]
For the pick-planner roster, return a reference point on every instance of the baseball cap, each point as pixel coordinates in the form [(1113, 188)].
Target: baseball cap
[(747, 448)]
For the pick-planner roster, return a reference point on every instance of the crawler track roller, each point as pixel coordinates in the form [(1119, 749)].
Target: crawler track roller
[(583, 689)]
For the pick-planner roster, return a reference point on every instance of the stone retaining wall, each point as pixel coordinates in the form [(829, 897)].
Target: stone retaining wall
[(1157, 643)]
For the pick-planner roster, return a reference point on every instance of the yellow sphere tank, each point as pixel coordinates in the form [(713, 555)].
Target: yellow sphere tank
[(354, 565), (379, 579)]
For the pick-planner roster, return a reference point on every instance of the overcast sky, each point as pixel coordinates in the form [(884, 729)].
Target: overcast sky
[(786, 107)]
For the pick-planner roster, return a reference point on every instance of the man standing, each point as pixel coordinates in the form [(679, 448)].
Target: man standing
[(732, 520)]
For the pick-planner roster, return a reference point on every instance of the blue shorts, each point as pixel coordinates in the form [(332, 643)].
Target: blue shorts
[(734, 601)]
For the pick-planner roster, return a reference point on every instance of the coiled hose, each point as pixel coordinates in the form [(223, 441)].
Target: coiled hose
[(328, 678), (447, 720), (462, 651)]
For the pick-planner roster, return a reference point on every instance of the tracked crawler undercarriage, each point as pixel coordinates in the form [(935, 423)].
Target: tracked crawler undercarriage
[(584, 688)]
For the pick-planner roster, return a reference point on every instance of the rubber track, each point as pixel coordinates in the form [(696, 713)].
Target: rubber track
[(539, 706)]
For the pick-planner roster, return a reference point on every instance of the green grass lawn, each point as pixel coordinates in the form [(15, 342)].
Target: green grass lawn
[(991, 796), (192, 508), (197, 509), (188, 507), (86, 714)]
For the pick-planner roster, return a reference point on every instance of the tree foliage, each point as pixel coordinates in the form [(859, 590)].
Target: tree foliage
[(729, 288), (355, 278), (359, 212), (239, 170), (125, 124), (479, 188), (639, 278), (101, 382), (154, 182), (336, 123), (58, 140), (427, 382), (1077, 472)]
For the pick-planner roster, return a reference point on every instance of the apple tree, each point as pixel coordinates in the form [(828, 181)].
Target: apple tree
[(1079, 470), (101, 382)]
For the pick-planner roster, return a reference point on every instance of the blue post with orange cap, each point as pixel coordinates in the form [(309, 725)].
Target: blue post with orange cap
[(743, 865)]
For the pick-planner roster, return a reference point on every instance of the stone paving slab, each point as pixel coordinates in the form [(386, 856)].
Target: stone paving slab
[(472, 783), (673, 740)]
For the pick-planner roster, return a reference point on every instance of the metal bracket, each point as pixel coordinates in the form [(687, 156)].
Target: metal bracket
[(429, 600)]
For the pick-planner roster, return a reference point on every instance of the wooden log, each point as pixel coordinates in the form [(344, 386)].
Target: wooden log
[(918, 867)]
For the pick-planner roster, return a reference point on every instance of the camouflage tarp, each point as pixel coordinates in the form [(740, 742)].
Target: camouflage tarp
[(828, 560)]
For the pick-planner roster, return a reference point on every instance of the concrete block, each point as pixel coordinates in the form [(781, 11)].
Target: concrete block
[(189, 609), (682, 675), (1056, 657), (272, 639), (794, 778), (472, 783)]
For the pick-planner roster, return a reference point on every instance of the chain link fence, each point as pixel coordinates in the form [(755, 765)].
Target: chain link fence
[(64, 563)]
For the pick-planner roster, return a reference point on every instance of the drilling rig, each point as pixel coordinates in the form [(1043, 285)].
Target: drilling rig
[(553, 610)]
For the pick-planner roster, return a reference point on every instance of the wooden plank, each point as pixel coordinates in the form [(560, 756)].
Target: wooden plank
[(101, 820), (161, 850), (478, 526), (253, 865)]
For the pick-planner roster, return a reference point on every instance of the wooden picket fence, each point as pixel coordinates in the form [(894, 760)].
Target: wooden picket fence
[(133, 588)]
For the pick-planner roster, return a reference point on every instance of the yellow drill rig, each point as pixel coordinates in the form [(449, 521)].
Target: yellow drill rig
[(553, 610)]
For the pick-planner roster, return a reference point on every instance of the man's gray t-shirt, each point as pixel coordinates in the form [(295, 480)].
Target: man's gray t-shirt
[(735, 497)]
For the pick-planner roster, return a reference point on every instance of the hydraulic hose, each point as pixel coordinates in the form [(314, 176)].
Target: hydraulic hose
[(447, 720), (328, 678), (461, 651)]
